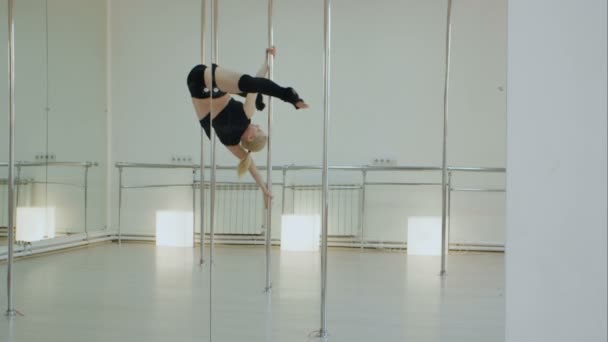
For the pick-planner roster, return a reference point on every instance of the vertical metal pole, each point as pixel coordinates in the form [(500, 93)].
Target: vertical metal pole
[(11, 164), (362, 217), (119, 204), (47, 109), (194, 207), (283, 189), (241, 203), (449, 213), (325, 198), (202, 170), (212, 189), (203, 31), (17, 186), (293, 199), (270, 62), (444, 167), (86, 200), (202, 200)]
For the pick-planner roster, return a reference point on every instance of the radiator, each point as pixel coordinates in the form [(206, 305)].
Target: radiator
[(344, 217), (239, 209)]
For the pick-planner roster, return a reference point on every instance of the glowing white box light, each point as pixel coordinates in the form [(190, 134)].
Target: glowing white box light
[(300, 233), (35, 224), (424, 235), (174, 229)]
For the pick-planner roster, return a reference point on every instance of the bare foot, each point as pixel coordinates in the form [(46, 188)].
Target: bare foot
[(291, 96), (301, 105)]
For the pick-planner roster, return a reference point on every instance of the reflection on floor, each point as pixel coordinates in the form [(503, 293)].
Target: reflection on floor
[(137, 292), (4, 235), (4, 241)]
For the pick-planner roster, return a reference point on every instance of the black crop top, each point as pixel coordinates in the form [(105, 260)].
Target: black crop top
[(229, 124), (196, 83)]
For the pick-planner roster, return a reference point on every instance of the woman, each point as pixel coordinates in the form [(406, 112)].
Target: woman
[(231, 118), (228, 81)]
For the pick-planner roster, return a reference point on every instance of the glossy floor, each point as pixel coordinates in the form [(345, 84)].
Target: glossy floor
[(137, 292)]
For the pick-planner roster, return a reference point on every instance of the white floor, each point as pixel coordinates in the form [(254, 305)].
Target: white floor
[(137, 292)]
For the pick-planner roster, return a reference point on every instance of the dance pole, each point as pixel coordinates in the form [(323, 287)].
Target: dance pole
[(444, 166), (322, 333), (11, 162), (270, 62), (202, 180), (214, 58), (212, 190)]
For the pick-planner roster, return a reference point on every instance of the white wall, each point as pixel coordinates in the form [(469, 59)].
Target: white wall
[(556, 203), (386, 97)]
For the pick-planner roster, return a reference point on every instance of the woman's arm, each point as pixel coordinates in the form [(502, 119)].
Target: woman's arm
[(249, 104), (264, 68), (254, 173), (241, 154), (250, 98)]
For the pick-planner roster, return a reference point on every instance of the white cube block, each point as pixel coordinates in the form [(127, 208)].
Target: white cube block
[(35, 224), (300, 233), (424, 235), (174, 229)]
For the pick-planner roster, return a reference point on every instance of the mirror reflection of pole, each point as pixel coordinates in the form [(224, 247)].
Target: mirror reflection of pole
[(444, 167), (11, 163), (270, 61), (202, 169)]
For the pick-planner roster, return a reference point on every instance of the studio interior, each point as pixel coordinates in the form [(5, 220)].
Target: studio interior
[(290, 170)]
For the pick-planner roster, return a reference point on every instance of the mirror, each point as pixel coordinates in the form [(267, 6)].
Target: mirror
[(60, 120), (77, 131), (30, 118)]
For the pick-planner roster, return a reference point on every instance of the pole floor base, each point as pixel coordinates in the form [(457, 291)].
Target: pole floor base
[(13, 313), (319, 334)]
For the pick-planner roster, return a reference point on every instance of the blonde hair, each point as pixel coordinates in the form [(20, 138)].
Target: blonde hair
[(257, 144), (244, 165)]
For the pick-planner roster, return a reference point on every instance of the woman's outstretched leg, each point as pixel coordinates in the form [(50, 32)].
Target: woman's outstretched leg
[(235, 83), (228, 80), (265, 86)]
